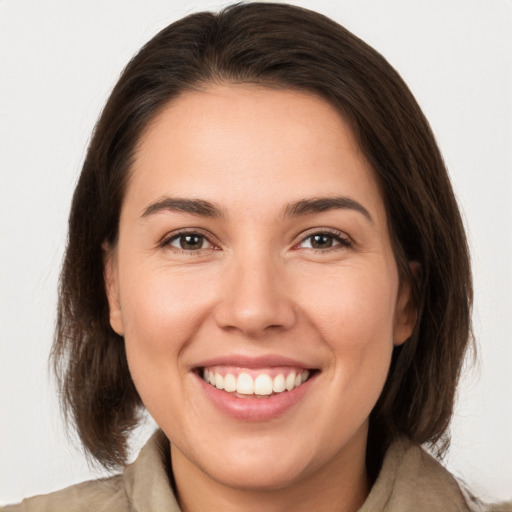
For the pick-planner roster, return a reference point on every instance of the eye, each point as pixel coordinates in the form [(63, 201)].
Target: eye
[(189, 242), (323, 241)]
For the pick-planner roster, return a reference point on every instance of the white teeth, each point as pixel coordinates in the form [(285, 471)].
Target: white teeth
[(290, 381), (230, 383), (263, 385), (219, 381), (278, 384), (245, 384)]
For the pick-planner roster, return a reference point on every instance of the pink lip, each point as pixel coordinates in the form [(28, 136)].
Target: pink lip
[(255, 409), (266, 361)]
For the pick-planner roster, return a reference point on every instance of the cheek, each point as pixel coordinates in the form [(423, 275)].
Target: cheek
[(353, 309), (162, 311), (160, 307), (354, 316)]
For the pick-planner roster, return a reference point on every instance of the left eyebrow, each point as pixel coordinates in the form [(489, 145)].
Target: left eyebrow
[(323, 204)]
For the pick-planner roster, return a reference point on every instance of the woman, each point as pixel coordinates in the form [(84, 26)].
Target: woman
[(264, 252)]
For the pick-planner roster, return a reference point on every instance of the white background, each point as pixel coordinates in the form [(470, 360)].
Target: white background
[(58, 61)]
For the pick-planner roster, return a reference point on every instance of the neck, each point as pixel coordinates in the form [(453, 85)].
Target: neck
[(341, 484)]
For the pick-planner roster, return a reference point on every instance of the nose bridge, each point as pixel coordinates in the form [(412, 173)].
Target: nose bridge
[(254, 299)]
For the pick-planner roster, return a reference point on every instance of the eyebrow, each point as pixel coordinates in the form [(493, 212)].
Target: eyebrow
[(323, 204), (203, 208), (198, 207)]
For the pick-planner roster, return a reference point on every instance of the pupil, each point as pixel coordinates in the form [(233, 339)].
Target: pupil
[(321, 241), (191, 242)]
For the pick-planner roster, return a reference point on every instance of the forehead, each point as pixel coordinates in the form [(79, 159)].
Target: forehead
[(249, 144)]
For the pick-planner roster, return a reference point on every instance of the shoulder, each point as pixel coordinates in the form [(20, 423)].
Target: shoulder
[(411, 479), (106, 494), (501, 507), (144, 485)]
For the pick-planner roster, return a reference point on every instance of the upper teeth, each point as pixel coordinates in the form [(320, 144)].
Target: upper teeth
[(262, 384)]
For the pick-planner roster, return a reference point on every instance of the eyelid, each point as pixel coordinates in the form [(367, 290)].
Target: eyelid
[(173, 235), (343, 239)]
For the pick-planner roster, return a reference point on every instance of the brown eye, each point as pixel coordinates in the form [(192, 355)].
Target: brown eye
[(189, 242), (321, 241)]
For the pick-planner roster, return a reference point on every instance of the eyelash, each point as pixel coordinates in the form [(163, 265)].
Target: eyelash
[(337, 236), (166, 242)]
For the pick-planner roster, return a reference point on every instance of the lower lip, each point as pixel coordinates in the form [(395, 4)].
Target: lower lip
[(255, 409)]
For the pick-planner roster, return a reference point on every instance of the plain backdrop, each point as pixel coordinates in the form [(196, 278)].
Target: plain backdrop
[(58, 61)]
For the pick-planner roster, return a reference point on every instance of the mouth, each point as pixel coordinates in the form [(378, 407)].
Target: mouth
[(255, 383), (255, 388)]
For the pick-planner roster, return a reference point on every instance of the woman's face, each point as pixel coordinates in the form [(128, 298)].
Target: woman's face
[(254, 253)]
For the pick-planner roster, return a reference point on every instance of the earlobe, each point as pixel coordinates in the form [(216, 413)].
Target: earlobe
[(406, 313), (112, 288)]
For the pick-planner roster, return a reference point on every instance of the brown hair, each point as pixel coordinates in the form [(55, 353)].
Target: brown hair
[(275, 45)]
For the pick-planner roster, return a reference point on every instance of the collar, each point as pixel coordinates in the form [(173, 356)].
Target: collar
[(410, 479)]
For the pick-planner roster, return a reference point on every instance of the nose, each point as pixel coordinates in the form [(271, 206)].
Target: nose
[(254, 298)]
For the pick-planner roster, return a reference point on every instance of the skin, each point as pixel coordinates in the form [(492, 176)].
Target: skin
[(256, 286)]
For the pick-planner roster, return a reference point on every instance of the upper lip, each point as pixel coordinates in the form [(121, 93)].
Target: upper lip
[(244, 361)]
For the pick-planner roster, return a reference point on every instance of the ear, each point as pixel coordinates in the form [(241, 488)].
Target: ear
[(406, 313), (111, 277)]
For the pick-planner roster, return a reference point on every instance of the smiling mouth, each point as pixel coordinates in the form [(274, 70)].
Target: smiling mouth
[(251, 383)]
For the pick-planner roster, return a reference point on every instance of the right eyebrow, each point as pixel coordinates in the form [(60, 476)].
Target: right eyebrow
[(198, 207)]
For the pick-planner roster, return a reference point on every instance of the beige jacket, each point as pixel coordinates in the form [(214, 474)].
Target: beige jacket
[(410, 481)]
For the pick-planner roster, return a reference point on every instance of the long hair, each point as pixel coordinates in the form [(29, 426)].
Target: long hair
[(277, 46)]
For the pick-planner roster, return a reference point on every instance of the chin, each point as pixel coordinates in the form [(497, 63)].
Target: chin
[(255, 463), (259, 475)]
